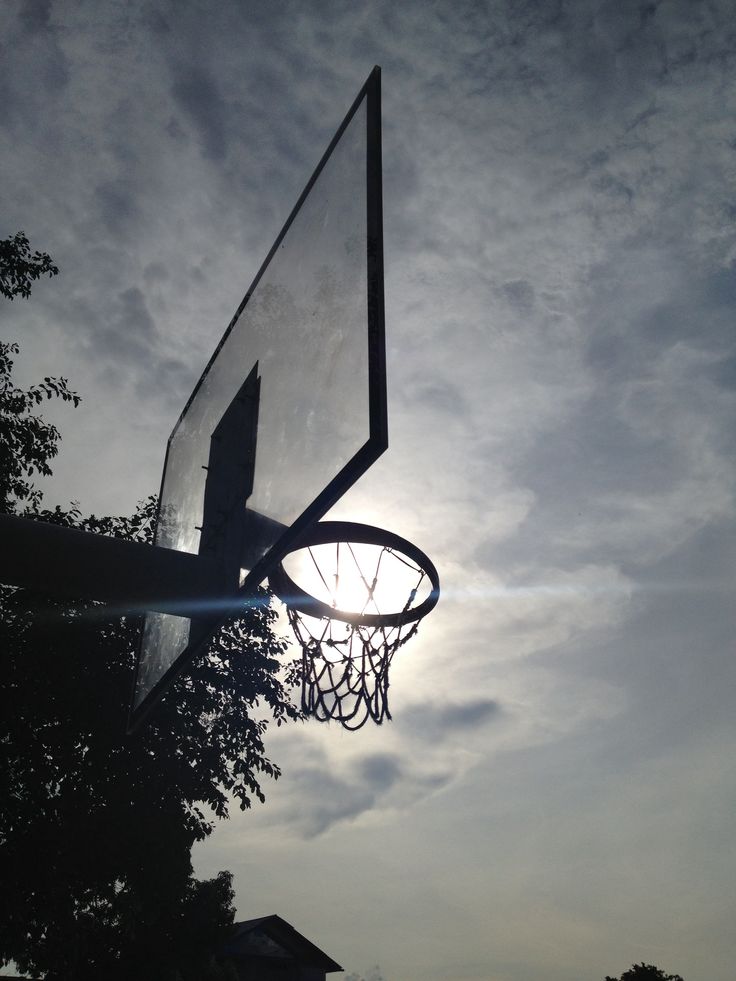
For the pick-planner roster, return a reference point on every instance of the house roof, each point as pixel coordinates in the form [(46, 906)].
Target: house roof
[(272, 936)]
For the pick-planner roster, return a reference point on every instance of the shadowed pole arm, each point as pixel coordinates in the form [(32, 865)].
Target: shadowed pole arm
[(131, 575)]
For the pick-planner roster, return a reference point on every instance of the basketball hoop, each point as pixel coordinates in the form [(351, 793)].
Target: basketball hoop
[(346, 654)]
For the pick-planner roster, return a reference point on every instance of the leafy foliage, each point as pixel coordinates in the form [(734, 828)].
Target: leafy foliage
[(27, 443), (107, 821), (645, 972), (19, 267), (96, 827)]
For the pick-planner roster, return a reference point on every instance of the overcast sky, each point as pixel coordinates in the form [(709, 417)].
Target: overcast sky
[(554, 799)]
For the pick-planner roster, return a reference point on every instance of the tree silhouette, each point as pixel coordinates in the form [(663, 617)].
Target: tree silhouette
[(27, 443), (645, 972), (96, 828), (19, 267)]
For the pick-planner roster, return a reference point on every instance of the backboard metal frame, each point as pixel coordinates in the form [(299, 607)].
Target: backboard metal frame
[(235, 599)]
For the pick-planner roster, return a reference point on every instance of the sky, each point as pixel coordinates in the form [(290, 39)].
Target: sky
[(554, 798)]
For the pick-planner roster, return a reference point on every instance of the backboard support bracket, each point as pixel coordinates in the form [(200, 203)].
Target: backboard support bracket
[(132, 577)]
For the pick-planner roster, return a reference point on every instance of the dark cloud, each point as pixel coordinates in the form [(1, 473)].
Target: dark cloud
[(155, 21), (701, 312), (123, 334), (520, 295), (613, 187), (134, 330), (381, 770), (34, 15), (176, 132), (169, 380), (660, 349), (438, 394), (132, 339), (197, 93), (675, 663), (467, 715), (34, 71), (443, 721), (7, 95), (400, 182), (330, 800), (574, 475), (326, 798), (155, 272), (724, 372), (118, 209)]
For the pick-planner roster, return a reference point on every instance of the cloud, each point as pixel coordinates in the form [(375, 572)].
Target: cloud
[(645, 455), (35, 15), (520, 294), (118, 208), (198, 94), (442, 720), (124, 343), (380, 770), (125, 334), (327, 797), (560, 307), (428, 752), (328, 790), (34, 70)]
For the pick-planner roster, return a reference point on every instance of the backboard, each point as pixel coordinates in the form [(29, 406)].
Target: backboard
[(291, 408)]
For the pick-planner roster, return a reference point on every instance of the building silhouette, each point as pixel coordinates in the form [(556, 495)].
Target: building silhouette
[(270, 949)]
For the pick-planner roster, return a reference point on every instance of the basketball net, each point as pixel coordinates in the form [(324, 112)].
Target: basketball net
[(346, 655)]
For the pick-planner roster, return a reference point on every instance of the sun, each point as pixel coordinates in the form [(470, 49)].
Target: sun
[(358, 578)]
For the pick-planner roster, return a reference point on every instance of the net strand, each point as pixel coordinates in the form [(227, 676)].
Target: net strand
[(345, 677)]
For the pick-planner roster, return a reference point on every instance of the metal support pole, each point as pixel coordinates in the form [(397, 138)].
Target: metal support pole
[(135, 576), (131, 575)]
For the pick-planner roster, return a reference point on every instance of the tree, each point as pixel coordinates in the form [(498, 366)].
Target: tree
[(27, 443), (19, 267), (96, 828), (645, 972)]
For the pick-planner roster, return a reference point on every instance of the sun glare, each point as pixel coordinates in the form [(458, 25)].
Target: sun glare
[(358, 578)]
